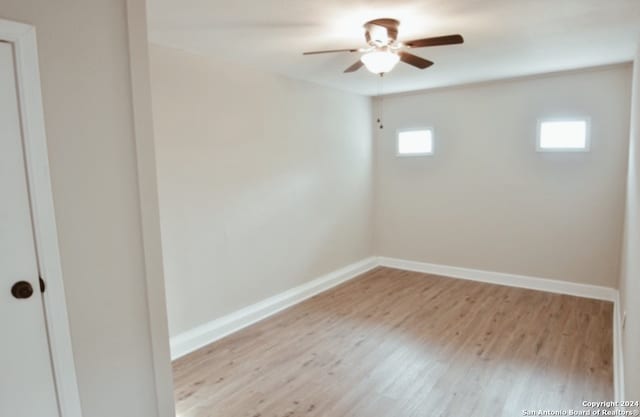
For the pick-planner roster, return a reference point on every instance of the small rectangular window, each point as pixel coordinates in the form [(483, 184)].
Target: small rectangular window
[(415, 142), (563, 135)]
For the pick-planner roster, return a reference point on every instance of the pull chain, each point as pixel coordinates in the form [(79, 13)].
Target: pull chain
[(381, 101)]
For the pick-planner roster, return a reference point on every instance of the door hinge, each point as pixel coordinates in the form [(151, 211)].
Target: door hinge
[(42, 284)]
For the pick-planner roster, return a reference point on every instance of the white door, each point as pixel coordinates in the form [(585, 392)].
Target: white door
[(27, 386)]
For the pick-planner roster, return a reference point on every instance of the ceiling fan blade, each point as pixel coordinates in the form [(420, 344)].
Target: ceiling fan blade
[(355, 67), (414, 60), (435, 41), (330, 51)]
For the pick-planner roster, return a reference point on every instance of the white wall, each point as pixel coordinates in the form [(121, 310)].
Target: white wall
[(265, 183), (487, 199), (630, 278), (86, 85)]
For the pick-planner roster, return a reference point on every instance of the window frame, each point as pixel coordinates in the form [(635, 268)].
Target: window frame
[(587, 133), (415, 129)]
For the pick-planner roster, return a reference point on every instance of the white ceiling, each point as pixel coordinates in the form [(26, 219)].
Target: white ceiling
[(503, 38)]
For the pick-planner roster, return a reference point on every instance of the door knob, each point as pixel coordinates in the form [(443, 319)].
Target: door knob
[(22, 289)]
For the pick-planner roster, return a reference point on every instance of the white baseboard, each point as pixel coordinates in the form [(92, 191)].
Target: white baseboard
[(500, 278), (202, 335), (618, 358)]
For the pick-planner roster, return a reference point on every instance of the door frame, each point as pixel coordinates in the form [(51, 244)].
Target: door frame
[(23, 39)]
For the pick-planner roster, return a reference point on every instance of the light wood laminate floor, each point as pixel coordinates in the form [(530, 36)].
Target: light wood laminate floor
[(394, 343)]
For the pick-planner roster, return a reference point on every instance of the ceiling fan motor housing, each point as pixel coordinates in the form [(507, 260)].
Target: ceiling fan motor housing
[(381, 32)]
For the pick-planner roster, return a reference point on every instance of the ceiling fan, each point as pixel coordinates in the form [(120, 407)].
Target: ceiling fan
[(384, 51)]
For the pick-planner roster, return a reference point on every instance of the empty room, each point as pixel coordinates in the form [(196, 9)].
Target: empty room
[(279, 208)]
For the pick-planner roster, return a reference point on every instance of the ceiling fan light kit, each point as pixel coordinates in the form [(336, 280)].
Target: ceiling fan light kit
[(383, 51), (379, 62)]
